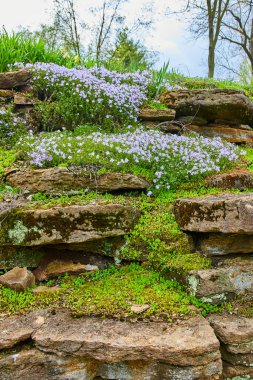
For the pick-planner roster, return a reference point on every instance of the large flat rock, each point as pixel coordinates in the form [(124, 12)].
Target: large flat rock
[(189, 343), (59, 179), (228, 213), (67, 225), (108, 348), (210, 104)]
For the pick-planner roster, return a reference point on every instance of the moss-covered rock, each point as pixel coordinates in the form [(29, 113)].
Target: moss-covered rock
[(74, 224)]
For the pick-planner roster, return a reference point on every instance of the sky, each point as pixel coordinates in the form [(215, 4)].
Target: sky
[(169, 35)]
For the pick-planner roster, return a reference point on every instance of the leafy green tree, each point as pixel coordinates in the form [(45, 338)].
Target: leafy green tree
[(130, 55)]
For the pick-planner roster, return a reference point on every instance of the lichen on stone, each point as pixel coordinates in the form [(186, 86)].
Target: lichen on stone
[(193, 284), (19, 232)]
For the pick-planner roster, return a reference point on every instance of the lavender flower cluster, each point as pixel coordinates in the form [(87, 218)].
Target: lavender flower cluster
[(93, 95), (168, 158)]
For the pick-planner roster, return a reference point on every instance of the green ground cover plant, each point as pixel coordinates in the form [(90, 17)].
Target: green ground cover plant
[(12, 127), (79, 95), (110, 293), (7, 158), (165, 160)]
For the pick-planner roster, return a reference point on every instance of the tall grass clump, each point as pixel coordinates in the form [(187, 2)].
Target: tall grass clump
[(22, 47)]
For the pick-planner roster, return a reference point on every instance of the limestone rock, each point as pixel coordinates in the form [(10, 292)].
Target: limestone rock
[(170, 128), (46, 289), (192, 120), (149, 114), (138, 309), (229, 134), (18, 279), (210, 104), (6, 95), (91, 347), (75, 224), (19, 364), (223, 244), (58, 267), (232, 330), (237, 179), (14, 79), (236, 336), (21, 99), (18, 329), (235, 277), (55, 180), (227, 213), (31, 363), (235, 372), (11, 257), (13, 333), (194, 338)]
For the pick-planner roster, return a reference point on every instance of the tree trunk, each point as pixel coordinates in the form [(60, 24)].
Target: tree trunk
[(211, 61), (251, 48)]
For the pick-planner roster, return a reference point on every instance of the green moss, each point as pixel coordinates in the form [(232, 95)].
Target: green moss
[(109, 293), (7, 158), (155, 104)]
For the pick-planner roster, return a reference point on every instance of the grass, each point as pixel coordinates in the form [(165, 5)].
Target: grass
[(176, 79), (26, 48), (110, 293)]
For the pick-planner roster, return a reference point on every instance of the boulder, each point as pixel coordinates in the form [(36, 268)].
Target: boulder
[(210, 104), (216, 285), (149, 114), (18, 279), (236, 337), (56, 180), (227, 213), (75, 224), (229, 134), (14, 79), (237, 179), (88, 348)]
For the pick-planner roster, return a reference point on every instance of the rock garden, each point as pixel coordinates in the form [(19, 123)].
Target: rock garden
[(126, 234)]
